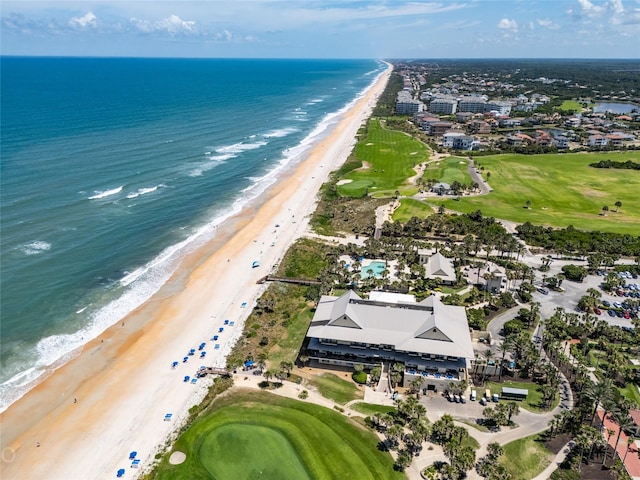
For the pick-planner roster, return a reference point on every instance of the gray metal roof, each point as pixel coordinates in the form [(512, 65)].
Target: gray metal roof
[(440, 266), (428, 327)]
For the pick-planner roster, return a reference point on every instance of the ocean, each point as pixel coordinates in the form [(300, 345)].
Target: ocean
[(111, 170)]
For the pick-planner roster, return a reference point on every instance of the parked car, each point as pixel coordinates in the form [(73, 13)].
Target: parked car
[(612, 313), (543, 291), (606, 303), (598, 311)]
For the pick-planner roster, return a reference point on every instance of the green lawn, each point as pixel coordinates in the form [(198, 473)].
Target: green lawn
[(533, 403), (563, 191), (335, 388), (525, 458), (389, 158), (410, 207), (260, 435), (571, 105), (372, 408), (449, 170), (630, 391)]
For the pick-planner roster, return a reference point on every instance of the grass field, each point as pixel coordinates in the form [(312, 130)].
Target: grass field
[(533, 403), (410, 207), (525, 458), (389, 157), (571, 105), (563, 191), (335, 388), (288, 346), (372, 408), (449, 170), (260, 435)]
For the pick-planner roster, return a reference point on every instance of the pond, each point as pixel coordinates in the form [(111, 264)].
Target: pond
[(615, 107)]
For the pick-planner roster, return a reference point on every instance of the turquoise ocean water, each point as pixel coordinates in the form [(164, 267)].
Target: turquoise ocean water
[(113, 169)]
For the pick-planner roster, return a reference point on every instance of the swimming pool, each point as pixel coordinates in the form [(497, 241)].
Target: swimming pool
[(372, 269)]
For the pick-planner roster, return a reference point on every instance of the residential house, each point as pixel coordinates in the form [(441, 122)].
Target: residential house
[(597, 141)]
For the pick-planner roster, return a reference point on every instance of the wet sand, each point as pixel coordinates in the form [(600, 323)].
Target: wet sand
[(123, 381)]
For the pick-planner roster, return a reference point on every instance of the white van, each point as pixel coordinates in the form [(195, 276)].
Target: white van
[(473, 395)]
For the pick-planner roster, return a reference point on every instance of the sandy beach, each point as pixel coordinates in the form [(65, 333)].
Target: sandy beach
[(85, 418)]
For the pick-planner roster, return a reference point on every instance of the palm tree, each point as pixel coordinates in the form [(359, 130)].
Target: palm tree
[(630, 441), (598, 393), (618, 205), (488, 355), (624, 422), (605, 209)]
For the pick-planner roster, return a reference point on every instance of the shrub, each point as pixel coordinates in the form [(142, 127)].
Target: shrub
[(359, 377), (303, 394)]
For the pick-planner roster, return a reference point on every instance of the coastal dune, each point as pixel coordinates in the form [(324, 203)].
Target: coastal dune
[(84, 419)]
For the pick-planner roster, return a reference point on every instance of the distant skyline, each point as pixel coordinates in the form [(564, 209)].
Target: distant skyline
[(323, 28)]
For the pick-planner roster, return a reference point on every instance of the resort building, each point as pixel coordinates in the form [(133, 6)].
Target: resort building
[(446, 106), (429, 338), (439, 267), (492, 277)]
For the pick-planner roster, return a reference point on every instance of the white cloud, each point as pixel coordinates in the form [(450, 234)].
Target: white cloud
[(173, 24), (224, 35), (509, 25), (88, 20), (547, 23)]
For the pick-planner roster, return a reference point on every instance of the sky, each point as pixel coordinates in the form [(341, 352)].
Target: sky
[(322, 28)]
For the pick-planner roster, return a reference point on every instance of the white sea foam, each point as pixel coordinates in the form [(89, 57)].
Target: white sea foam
[(106, 193), (81, 310), (36, 247), (240, 147), (279, 133), (142, 191), (139, 285)]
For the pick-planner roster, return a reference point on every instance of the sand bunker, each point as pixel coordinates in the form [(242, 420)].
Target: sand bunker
[(177, 458), (344, 182)]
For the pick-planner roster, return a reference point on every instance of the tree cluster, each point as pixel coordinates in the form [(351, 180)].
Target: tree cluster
[(582, 242), (628, 165)]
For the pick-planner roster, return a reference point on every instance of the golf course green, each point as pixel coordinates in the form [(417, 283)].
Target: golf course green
[(556, 190), (388, 158), (251, 435)]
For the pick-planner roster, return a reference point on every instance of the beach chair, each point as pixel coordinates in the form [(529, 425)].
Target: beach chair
[(231, 324), (167, 417), (217, 346), (135, 463), (194, 380)]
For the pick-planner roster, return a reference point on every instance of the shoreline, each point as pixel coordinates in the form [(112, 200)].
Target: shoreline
[(122, 380)]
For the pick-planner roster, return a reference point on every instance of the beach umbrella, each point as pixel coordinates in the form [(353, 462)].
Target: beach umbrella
[(185, 359), (174, 364), (186, 378), (120, 473), (203, 354), (132, 455)]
